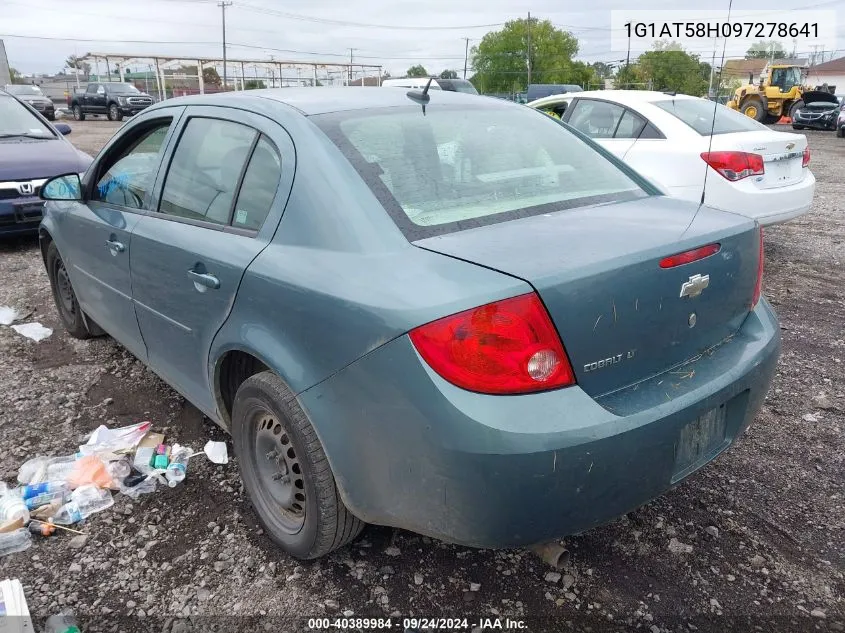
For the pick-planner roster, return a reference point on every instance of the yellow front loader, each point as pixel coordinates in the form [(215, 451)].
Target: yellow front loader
[(778, 93)]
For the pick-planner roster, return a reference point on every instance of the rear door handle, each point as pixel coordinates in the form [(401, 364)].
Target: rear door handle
[(204, 279), (115, 246)]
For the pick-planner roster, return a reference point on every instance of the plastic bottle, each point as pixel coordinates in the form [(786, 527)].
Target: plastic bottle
[(178, 466), (12, 507), (46, 498), (60, 468), (62, 623), (28, 492), (84, 501), (17, 541)]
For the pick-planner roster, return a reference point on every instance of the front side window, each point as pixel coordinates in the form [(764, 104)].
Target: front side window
[(129, 176), (206, 168), (457, 166), (703, 115), (596, 119)]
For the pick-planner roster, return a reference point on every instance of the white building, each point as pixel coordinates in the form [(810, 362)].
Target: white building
[(831, 73)]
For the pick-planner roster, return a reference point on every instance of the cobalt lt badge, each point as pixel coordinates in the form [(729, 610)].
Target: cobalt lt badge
[(695, 286)]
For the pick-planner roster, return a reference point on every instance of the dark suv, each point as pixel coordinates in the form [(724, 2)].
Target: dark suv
[(115, 100), (34, 97)]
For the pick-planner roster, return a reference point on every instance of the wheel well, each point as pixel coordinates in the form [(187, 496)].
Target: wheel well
[(235, 367), (44, 240)]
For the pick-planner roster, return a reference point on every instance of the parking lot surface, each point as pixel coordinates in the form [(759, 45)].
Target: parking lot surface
[(755, 539)]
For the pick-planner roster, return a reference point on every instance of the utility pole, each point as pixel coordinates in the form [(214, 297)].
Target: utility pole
[(349, 81), (223, 4), (466, 55), (529, 48)]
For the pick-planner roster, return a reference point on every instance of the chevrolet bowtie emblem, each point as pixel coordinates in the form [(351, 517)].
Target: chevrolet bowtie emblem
[(695, 286), (790, 145)]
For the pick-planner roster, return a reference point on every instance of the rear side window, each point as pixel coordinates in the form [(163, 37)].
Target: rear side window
[(259, 186), (699, 115), (630, 126), (596, 119), (457, 167), (205, 170)]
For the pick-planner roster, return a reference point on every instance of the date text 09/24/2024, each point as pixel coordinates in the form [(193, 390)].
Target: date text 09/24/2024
[(417, 624)]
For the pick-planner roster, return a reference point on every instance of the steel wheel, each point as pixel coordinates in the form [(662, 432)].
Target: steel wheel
[(67, 300), (280, 471)]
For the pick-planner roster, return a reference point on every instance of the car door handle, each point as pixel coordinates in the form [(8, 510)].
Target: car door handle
[(204, 279), (115, 246)]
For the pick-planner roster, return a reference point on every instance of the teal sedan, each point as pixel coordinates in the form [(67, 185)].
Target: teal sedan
[(436, 311)]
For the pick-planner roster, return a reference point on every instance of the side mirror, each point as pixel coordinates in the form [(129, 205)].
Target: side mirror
[(63, 128), (67, 187)]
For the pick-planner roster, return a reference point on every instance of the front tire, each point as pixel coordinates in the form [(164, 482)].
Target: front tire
[(797, 127), (286, 472), (114, 113), (78, 114), (50, 117), (753, 108), (840, 132), (65, 298), (794, 108)]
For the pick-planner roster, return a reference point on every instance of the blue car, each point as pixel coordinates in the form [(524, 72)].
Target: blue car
[(440, 312), (31, 151)]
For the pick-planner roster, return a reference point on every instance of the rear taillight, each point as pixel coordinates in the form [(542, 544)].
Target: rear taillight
[(506, 347), (758, 287), (688, 257), (805, 160), (735, 165)]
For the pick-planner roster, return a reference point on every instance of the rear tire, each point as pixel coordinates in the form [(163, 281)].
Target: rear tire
[(78, 114), (771, 119), (286, 472), (65, 298)]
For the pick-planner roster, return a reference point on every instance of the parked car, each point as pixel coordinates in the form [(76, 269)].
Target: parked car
[(31, 150), (819, 112), (115, 100), (840, 122), (745, 166), (467, 321), (33, 96), (418, 83), (538, 91)]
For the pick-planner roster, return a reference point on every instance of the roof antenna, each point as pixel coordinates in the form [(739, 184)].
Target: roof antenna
[(421, 97), (715, 109)]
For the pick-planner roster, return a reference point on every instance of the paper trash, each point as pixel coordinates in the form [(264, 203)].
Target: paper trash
[(217, 452), (35, 331), (14, 612), (8, 315)]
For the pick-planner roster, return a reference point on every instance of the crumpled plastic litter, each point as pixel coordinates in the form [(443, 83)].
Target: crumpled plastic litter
[(33, 471), (8, 315), (106, 440), (146, 486), (34, 331), (217, 452), (90, 469)]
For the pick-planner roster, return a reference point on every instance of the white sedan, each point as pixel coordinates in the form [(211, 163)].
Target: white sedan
[(747, 168)]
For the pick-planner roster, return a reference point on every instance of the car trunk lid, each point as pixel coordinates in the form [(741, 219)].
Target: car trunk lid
[(620, 315), (782, 154)]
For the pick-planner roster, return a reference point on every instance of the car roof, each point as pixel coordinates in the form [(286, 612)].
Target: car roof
[(321, 100), (625, 97)]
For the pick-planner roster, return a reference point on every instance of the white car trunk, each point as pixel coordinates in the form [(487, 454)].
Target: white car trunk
[(782, 154)]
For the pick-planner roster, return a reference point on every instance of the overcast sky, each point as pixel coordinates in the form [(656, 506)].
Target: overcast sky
[(193, 27)]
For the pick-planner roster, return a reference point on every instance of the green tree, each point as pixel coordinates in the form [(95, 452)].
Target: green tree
[(253, 84), (601, 70), (674, 70), (629, 77), (211, 76), (501, 58), (417, 70), (15, 76), (449, 74), (765, 49)]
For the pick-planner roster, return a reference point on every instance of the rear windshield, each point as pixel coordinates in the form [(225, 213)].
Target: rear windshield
[(457, 167), (123, 88), (699, 113), (458, 85)]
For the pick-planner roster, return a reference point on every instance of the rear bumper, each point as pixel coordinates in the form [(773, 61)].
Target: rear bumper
[(409, 450), (767, 206)]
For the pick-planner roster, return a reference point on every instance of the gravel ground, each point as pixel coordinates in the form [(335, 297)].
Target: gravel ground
[(755, 541)]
